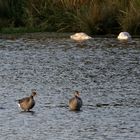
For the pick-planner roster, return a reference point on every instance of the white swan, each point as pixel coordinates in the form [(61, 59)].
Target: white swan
[(124, 36), (80, 37)]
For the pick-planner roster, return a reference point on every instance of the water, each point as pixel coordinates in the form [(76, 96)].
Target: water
[(105, 71)]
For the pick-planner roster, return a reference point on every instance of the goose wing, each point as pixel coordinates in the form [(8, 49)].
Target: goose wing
[(26, 99)]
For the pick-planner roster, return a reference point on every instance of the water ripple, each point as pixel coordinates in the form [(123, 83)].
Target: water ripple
[(104, 70)]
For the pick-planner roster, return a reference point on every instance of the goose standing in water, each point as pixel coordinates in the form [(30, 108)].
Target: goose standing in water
[(75, 103), (124, 36), (27, 103)]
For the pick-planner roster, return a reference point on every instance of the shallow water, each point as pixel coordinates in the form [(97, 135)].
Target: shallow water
[(104, 70)]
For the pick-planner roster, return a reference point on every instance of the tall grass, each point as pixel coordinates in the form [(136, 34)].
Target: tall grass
[(11, 13), (4, 21), (88, 17), (129, 19), (91, 16), (48, 15)]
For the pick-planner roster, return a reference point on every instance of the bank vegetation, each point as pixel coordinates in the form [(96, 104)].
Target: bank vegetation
[(90, 16)]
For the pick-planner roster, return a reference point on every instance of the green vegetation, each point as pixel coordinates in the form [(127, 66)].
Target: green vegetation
[(90, 16)]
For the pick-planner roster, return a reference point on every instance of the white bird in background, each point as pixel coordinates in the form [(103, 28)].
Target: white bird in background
[(124, 36), (80, 37)]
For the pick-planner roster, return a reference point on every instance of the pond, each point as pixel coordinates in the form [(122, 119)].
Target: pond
[(104, 70)]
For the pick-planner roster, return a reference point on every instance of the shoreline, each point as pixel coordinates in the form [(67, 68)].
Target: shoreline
[(39, 35)]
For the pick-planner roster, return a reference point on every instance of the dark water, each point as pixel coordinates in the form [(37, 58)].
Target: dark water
[(105, 71)]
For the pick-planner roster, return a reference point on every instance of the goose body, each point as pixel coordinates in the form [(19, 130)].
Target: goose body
[(27, 103), (124, 36), (75, 103), (80, 37)]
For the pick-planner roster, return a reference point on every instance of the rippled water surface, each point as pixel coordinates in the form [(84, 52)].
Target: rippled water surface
[(104, 70)]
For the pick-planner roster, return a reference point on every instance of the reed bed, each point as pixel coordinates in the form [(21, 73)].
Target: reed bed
[(91, 16)]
